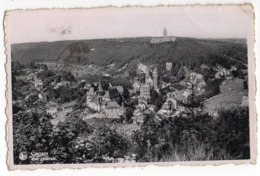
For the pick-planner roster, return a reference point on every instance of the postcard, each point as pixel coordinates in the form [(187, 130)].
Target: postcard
[(131, 86)]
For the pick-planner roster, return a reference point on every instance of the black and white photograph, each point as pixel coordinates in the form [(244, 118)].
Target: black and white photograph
[(130, 85)]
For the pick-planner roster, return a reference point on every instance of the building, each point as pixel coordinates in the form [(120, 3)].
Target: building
[(111, 94), (145, 91), (138, 116), (62, 83), (148, 80), (170, 104), (97, 104), (100, 90), (38, 83), (221, 71), (51, 108), (142, 104), (99, 99), (136, 84), (120, 89), (113, 110), (52, 111), (68, 107), (168, 66), (233, 68), (90, 95), (145, 69), (204, 67), (164, 38), (42, 97)]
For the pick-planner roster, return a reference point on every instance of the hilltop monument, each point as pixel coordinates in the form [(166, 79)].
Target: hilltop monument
[(164, 38), (164, 33)]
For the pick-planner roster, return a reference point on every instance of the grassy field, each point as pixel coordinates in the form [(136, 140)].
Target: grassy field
[(235, 85), (231, 95)]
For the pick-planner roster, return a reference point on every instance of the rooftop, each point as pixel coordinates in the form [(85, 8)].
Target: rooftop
[(112, 104)]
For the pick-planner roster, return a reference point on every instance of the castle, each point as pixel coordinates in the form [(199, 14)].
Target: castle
[(163, 39)]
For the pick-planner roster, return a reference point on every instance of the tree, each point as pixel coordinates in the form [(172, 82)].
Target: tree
[(212, 88), (32, 133), (235, 73), (66, 95), (32, 65), (193, 105), (63, 144), (156, 99), (181, 74), (129, 114)]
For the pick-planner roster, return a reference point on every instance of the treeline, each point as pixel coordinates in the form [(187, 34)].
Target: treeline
[(158, 140), (198, 138)]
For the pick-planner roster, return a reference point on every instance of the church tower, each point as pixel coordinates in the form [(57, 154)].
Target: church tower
[(164, 33), (100, 89), (155, 78)]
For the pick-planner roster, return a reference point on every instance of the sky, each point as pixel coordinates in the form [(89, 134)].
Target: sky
[(75, 24)]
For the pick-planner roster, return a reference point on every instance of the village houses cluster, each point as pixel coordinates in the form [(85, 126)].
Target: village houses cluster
[(110, 103), (105, 103)]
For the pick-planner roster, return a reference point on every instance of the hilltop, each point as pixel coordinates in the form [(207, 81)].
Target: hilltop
[(131, 51)]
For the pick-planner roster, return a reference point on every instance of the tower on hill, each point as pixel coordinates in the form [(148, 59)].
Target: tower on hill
[(164, 33)]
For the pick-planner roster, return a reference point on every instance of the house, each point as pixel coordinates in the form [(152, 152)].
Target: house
[(152, 108), (52, 111), (62, 83), (51, 108), (142, 105), (233, 68), (113, 110), (221, 71), (68, 107), (38, 83), (145, 69), (229, 77), (97, 104), (42, 96), (203, 67), (136, 84), (169, 106), (138, 116)]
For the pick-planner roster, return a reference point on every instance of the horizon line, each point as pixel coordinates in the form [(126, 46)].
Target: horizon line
[(208, 38)]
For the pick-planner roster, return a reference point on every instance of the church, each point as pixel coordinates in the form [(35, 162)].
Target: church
[(105, 101), (150, 84)]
